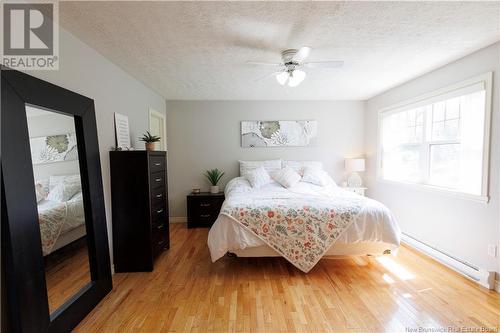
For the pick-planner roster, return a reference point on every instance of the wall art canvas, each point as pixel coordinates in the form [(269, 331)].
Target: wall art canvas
[(279, 133), (54, 148)]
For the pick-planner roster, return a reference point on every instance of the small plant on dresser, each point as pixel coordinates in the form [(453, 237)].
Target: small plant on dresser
[(149, 140)]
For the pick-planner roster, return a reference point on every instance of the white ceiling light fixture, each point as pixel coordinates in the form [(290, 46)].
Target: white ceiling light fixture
[(296, 78), (282, 77), (288, 71), (293, 78)]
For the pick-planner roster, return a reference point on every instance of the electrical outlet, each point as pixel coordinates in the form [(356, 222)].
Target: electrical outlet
[(492, 250)]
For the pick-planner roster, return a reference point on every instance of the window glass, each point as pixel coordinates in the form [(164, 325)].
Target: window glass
[(439, 144)]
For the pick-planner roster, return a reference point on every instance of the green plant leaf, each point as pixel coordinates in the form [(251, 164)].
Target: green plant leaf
[(147, 137), (213, 176)]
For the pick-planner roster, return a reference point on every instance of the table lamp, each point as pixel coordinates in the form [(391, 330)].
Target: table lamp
[(354, 165)]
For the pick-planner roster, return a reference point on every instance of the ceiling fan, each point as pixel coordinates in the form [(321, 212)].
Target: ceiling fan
[(289, 69)]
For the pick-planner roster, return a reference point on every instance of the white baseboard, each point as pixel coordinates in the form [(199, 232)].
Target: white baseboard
[(177, 219), (482, 276)]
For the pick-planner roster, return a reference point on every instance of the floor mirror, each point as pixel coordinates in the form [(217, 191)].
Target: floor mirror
[(55, 256)]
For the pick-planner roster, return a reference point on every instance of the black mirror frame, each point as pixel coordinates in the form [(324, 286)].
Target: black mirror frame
[(26, 291)]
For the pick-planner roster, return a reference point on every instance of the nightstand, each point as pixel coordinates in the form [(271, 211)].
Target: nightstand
[(203, 209), (357, 190)]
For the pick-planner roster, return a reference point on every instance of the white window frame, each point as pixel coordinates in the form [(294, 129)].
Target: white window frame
[(486, 79)]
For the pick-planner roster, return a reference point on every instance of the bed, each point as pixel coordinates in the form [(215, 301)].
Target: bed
[(60, 214), (302, 223)]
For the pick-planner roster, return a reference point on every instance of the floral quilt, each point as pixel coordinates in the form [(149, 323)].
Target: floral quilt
[(58, 219), (300, 228)]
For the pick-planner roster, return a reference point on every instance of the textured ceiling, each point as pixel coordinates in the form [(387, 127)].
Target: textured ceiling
[(198, 50)]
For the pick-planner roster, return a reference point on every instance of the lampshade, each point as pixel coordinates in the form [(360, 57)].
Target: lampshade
[(282, 78), (355, 164), (296, 77)]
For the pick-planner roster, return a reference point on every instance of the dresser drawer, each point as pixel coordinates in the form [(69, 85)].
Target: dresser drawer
[(156, 163), (159, 241), (207, 207), (158, 214), (207, 215), (204, 214), (158, 197), (159, 227), (157, 180), (205, 204)]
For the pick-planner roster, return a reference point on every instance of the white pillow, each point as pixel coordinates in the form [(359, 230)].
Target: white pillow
[(317, 177), (258, 177), (287, 177), (269, 166), (299, 166), (64, 191)]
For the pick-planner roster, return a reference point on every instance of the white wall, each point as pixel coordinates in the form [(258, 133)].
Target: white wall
[(460, 227), (86, 72), (206, 134)]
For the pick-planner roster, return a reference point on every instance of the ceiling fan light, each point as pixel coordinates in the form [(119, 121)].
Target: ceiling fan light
[(282, 78), (296, 78)]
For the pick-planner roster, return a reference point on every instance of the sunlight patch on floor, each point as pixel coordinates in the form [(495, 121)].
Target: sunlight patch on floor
[(395, 268), (422, 290), (388, 279)]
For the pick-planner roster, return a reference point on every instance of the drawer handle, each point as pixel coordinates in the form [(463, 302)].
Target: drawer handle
[(157, 164), (159, 211), (158, 180), (159, 195), (161, 242), (205, 215), (160, 227), (205, 205)]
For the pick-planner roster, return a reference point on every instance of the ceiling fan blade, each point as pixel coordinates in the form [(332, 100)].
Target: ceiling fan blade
[(325, 64), (263, 63), (267, 76), (301, 54)]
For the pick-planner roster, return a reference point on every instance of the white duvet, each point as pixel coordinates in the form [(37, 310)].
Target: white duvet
[(375, 223)]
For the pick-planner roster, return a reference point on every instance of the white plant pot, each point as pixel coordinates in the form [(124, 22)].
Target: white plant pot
[(214, 189)]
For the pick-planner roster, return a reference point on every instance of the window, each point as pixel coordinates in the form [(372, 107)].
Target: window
[(440, 140)]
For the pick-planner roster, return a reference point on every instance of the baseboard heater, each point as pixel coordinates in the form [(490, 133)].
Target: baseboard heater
[(483, 277)]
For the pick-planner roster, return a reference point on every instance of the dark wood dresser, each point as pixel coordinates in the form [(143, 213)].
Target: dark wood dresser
[(203, 209), (140, 208)]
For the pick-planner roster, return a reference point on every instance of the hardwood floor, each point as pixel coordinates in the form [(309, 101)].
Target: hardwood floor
[(186, 292), (66, 273)]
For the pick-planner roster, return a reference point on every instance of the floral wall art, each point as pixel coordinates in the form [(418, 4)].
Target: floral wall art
[(279, 133), (54, 148)]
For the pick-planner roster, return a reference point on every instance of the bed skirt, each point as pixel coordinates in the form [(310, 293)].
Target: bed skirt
[(339, 249)]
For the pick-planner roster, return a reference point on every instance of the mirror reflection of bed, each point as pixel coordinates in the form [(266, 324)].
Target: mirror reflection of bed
[(59, 198)]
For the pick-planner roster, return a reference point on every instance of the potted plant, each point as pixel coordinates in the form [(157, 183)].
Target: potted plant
[(213, 177), (149, 140)]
